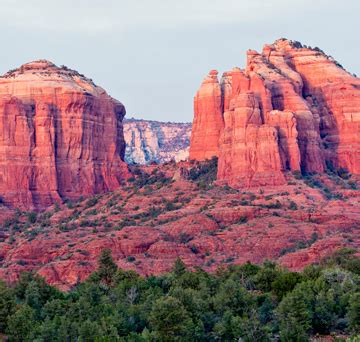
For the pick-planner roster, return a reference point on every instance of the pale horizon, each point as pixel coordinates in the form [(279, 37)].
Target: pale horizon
[(152, 56)]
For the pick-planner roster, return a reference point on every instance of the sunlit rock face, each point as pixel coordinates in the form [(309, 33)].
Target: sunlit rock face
[(208, 120), (61, 136), (292, 108), (153, 141)]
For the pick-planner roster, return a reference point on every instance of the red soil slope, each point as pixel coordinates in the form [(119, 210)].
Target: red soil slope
[(148, 227)]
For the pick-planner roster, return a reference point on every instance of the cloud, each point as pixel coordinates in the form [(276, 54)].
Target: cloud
[(61, 16), (113, 16)]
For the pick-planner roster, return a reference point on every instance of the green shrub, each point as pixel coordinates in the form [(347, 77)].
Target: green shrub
[(242, 220), (91, 202), (297, 174), (32, 217), (293, 206), (204, 173)]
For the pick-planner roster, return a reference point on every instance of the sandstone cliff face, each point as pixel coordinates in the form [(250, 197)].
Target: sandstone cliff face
[(208, 121), (249, 151), (61, 136), (153, 141), (291, 108), (334, 96)]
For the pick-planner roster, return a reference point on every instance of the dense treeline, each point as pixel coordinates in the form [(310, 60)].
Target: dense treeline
[(240, 303)]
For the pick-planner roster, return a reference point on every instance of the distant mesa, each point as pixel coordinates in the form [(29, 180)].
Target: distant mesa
[(156, 142)]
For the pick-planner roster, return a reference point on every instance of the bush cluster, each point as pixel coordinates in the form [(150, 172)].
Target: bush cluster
[(204, 173)]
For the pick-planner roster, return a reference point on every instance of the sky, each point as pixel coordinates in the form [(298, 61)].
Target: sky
[(153, 54)]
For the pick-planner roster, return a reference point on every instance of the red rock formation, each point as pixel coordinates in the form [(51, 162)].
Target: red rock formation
[(249, 153), (61, 136), (334, 95), (208, 121), (308, 98), (286, 124), (282, 95)]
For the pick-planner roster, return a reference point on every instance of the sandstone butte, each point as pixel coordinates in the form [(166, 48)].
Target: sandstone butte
[(293, 108), (61, 136)]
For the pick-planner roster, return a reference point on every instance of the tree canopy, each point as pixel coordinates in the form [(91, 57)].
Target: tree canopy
[(239, 303)]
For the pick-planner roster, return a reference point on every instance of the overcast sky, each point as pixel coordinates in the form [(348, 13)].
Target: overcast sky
[(152, 54)]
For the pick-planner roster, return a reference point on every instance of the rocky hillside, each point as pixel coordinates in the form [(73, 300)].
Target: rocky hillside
[(175, 210), (153, 141), (292, 108), (61, 136)]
